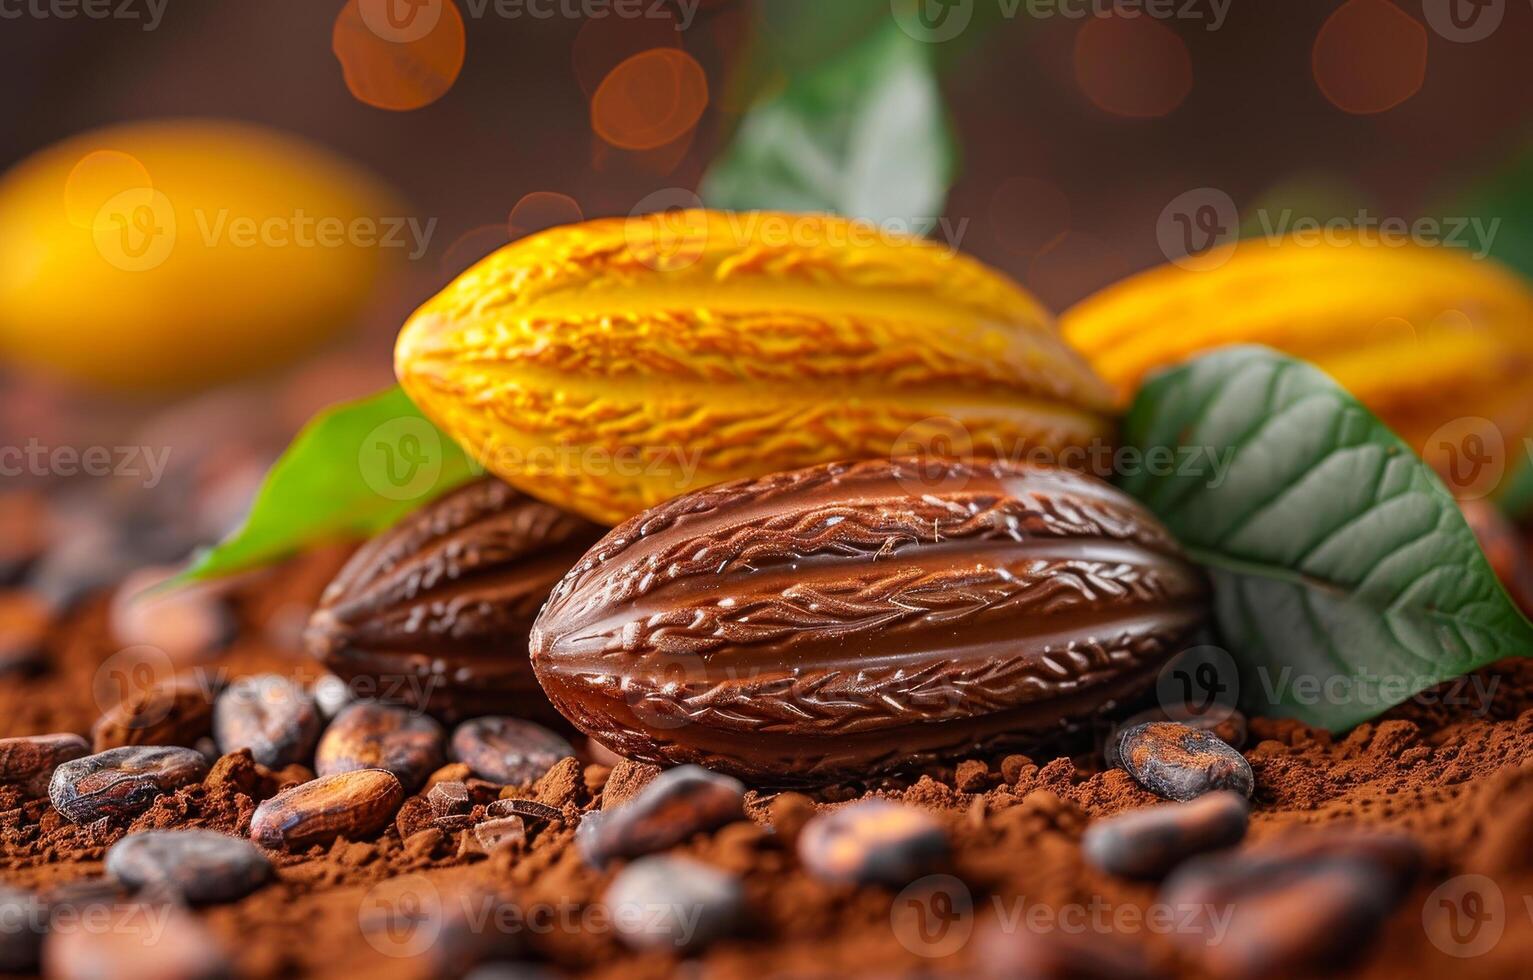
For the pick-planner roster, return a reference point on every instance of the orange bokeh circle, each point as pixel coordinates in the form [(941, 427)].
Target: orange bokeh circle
[(650, 99), (399, 54), (1135, 67), (1369, 56)]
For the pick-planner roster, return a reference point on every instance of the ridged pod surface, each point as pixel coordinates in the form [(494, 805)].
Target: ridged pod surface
[(855, 617), (1423, 336), (436, 609), (611, 365)]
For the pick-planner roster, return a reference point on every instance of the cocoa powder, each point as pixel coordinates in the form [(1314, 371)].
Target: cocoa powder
[(1454, 771)]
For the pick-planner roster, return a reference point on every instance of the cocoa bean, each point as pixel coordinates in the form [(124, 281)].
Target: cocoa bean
[(872, 842), (508, 750), (1149, 842), (29, 761), (121, 783), (1297, 907), (1179, 762), (198, 865), (353, 804), (273, 717), (675, 805), (177, 712), (368, 735), (674, 903)]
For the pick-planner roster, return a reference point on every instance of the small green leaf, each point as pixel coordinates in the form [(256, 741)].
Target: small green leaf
[(864, 136), (355, 469), (1345, 577)]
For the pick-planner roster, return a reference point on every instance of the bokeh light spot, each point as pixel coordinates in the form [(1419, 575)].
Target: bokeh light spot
[(399, 64), (470, 247), (605, 42), (541, 210), (1369, 56), (100, 176), (1028, 215), (650, 99), (1136, 67)]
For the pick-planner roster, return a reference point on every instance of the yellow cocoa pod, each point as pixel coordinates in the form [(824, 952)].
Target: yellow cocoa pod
[(611, 365), (1427, 337), (177, 254)]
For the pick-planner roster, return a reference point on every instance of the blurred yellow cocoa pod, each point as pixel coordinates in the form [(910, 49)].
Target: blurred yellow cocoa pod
[(173, 255), (1437, 343), (611, 365)]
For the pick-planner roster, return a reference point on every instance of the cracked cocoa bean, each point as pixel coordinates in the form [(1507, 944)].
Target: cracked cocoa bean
[(1180, 763), (121, 783)]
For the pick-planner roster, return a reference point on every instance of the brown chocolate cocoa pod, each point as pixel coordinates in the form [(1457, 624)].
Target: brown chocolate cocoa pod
[(852, 618), (435, 611)]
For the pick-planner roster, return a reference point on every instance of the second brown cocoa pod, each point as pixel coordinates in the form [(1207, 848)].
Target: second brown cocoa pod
[(853, 618), (434, 612)]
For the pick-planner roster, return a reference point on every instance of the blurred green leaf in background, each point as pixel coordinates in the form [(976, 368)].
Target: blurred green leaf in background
[(863, 134)]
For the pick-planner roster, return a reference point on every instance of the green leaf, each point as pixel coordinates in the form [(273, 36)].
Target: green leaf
[(1500, 205), (1345, 578), (355, 469), (865, 135), (1515, 494)]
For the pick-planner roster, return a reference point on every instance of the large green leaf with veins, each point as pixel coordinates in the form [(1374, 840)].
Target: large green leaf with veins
[(1345, 577)]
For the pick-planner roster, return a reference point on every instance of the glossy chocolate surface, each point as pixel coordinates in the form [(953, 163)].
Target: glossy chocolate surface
[(852, 618), (436, 609)]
